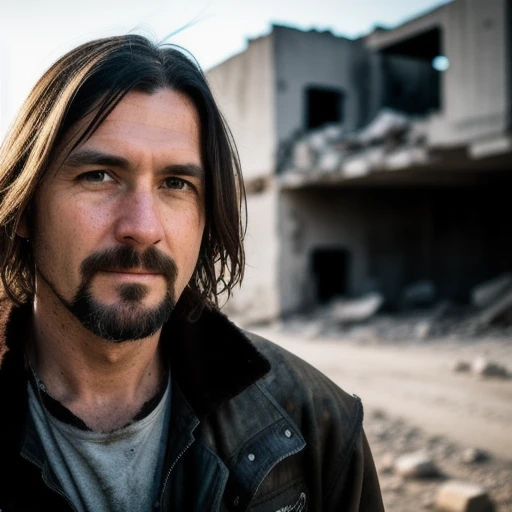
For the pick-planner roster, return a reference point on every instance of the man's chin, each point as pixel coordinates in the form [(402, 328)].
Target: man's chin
[(125, 321)]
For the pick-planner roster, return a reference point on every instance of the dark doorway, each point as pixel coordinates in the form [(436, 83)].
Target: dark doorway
[(330, 270), (323, 106)]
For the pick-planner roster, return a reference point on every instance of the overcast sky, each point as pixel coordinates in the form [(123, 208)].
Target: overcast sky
[(34, 33)]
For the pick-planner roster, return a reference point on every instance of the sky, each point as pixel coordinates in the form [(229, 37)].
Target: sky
[(35, 33)]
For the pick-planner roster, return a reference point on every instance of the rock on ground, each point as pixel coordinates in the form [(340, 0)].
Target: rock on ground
[(457, 496), (416, 465), (403, 494), (484, 368)]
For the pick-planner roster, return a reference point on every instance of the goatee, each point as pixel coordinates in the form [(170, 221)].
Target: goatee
[(128, 319)]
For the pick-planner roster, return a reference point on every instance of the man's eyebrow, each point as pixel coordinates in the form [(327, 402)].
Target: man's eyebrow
[(93, 157), (192, 170)]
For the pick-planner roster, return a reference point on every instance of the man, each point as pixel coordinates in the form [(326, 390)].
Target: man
[(122, 386)]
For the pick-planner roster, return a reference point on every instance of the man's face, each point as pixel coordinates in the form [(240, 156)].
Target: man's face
[(118, 223)]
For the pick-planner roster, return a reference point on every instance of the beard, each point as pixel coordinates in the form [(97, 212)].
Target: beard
[(127, 319)]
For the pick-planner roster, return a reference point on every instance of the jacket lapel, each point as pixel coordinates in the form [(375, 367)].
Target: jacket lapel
[(211, 359)]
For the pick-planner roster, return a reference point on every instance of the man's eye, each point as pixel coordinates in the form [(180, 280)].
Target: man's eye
[(175, 183), (95, 177)]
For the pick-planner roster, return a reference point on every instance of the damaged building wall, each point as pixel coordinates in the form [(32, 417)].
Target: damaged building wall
[(370, 229), (475, 92), (390, 238), (258, 298), (475, 89), (316, 220), (262, 93), (244, 89), (387, 236), (318, 59), (305, 61)]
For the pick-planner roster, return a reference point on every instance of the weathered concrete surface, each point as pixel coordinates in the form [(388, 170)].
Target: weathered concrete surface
[(417, 383)]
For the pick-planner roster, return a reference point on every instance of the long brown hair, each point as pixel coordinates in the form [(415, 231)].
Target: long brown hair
[(94, 78)]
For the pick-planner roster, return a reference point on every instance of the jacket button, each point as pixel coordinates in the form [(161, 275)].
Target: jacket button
[(288, 433), (236, 501), (251, 457)]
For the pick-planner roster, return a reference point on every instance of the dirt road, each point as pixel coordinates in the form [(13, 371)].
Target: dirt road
[(416, 382)]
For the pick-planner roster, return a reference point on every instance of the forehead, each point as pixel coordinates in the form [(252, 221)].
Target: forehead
[(163, 111), (165, 119)]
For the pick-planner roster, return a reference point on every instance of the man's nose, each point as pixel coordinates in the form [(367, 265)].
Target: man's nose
[(139, 219)]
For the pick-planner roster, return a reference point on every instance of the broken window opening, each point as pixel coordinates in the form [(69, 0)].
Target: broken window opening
[(323, 106), (330, 268), (412, 72)]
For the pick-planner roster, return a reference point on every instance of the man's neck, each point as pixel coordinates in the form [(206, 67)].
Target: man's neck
[(102, 382)]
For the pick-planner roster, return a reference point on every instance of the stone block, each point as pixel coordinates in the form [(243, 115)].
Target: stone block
[(458, 496), (356, 310), (416, 465), (485, 368), (472, 455), (501, 305), (461, 366), (486, 293)]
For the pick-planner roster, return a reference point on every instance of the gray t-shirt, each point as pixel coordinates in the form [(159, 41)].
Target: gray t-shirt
[(118, 471)]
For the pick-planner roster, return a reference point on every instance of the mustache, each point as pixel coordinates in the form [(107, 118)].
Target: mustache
[(127, 258)]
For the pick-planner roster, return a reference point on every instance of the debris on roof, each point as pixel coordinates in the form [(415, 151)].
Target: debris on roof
[(392, 140)]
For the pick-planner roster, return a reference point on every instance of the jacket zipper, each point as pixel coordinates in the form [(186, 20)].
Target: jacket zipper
[(48, 484), (172, 467), (297, 450)]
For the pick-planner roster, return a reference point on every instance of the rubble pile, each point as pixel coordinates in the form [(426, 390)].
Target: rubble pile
[(392, 140), (494, 302), (420, 317)]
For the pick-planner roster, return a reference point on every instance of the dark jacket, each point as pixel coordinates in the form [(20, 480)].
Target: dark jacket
[(253, 428)]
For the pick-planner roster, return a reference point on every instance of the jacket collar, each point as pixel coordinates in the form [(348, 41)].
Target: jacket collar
[(13, 382), (211, 359)]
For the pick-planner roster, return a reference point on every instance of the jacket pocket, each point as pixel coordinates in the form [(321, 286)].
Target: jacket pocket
[(291, 499)]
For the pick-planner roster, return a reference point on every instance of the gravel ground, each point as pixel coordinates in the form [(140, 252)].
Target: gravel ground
[(391, 437)]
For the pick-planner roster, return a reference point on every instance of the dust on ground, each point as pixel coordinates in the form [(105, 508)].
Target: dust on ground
[(416, 401)]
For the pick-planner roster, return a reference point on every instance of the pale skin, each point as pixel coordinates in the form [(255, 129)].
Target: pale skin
[(137, 180)]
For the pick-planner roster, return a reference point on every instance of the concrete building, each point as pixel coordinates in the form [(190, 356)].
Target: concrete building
[(367, 169)]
